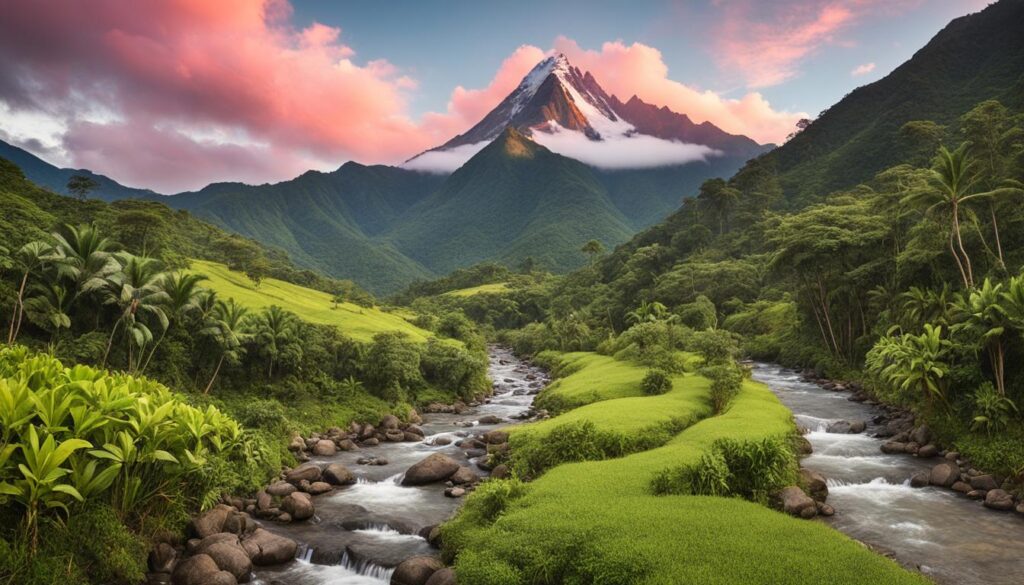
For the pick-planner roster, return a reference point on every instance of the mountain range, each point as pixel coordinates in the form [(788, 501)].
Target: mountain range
[(513, 197)]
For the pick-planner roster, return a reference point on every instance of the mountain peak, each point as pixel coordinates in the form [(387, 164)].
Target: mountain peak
[(515, 144)]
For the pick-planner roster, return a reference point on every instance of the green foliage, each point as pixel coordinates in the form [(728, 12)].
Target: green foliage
[(912, 366), (726, 380), (992, 410), (748, 469), (656, 382), (393, 365)]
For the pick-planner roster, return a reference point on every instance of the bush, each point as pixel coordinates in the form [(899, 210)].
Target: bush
[(992, 411), (455, 370), (748, 469), (104, 547), (261, 413), (656, 382), (726, 381), (393, 365)]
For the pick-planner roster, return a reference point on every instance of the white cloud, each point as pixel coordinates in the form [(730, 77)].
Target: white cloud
[(623, 152), (444, 161), (862, 69)]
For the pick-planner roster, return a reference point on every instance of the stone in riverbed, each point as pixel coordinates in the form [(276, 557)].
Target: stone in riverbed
[(496, 437), (325, 448), (891, 447), (489, 419), (347, 445), (919, 479), (318, 487), (984, 482), (441, 441), (464, 475), (928, 451), (815, 484), (445, 576), (416, 570), (435, 467), (390, 422), (944, 474), (998, 499), (162, 558), (298, 505), (500, 472), (200, 570), (977, 494), (211, 521), (394, 436), (307, 471), (455, 492), (266, 548), (281, 489), (371, 442), (825, 509), (338, 474), (229, 556), (962, 487), (795, 502)]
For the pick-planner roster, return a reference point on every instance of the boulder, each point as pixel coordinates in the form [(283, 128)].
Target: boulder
[(804, 446), (496, 437), (500, 472), (928, 451), (441, 441), (921, 435), (858, 426), (825, 510), (489, 419), (435, 467), (297, 444), (815, 484), (464, 475), (795, 502), (162, 558), (394, 436), (298, 505), (416, 570), (367, 432), (984, 482), (195, 570), (944, 474), (263, 501), (284, 518), (390, 422), (1020, 508), (961, 486), (998, 499), (347, 445), (318, 487), (911, 448), (266, 548), (411, 437), (230, 557), (324, 448), (919, 479), (238, 523), (415, 430), (977, 494), (841, 427), (445, 576), (211, 521), (371, 442), (307, 471), (455, 492), (891, 447), (280, 489), (338, 474)]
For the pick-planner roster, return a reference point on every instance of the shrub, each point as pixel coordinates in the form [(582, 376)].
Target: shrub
[(656, 382), (104, 547), (747, 469), (261, 413), (393, 365), (992, 411), (455, 370), (726, 381)]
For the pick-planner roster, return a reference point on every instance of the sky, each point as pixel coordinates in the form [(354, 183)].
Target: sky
[(175, 94)]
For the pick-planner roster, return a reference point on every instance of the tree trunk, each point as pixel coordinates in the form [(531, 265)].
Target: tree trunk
[(12, 334), (152, 351), (960, 243), (997, 358), (956, 257), (995, 229), (110, 342), (214, 376)]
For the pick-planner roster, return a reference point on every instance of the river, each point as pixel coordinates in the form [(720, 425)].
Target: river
[(945, 535), (361, 532)]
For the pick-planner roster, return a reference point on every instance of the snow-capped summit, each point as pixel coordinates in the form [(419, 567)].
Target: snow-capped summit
[(557, 104)]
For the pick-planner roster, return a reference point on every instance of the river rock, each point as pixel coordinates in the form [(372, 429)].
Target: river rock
[(325, 448), (441, 441), (1020, 508), (455, 492), (238, 523), (815, 483), (200, 570), (318, 487), (390, 422), (500, 472), (394, 436), (496, 437), (338, 474), (266, 548), (944, 474), (281, 488), (961, 486), (435, 467), (297, 444), (307, 471), (928, 451), (230, 557), (411, 437), (796, 502), (371, 442), (367, 432), (347, 445), (891, 447), (445, 576), (977, 494), (211, 521), (804, 446), (464, 475), (415, 430), (825, 509), (284, 518), (162, 558), (489, 419), (921, 435), (919, 479), (416, 570), (298, 505), (984, 482), (999, 499)]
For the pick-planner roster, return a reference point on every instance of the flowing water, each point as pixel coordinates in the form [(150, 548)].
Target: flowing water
[(948, 537), (361, 532)]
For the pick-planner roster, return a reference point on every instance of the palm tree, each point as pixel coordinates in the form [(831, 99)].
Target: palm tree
[(49, 307), (85, 257), (28, 259), (985, 315), (953, 182), (593, 248), (183, 298), (136, 292), (227, 327), (647, 312), (276, 332)]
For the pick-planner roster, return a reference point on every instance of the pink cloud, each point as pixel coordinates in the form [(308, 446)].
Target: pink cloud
[(863, 69), (627, 69), (766, 42)]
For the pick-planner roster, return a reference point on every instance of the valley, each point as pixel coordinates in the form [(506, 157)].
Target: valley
[(583, 322)]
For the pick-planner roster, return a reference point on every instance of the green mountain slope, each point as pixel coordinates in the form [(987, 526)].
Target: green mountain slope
[(974, 58), (513, 199)]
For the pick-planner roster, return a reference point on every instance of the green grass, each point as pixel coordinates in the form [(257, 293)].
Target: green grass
[(497, 287), (359, 323), (598, 521)]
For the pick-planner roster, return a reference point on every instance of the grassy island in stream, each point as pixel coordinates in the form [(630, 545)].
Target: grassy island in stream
[(600, 521)]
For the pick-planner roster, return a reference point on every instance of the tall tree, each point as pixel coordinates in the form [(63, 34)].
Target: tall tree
[(81, 185), (183, 298), (136, 293), (593, 249), (27, 260), (276, 335), (227, 326)]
